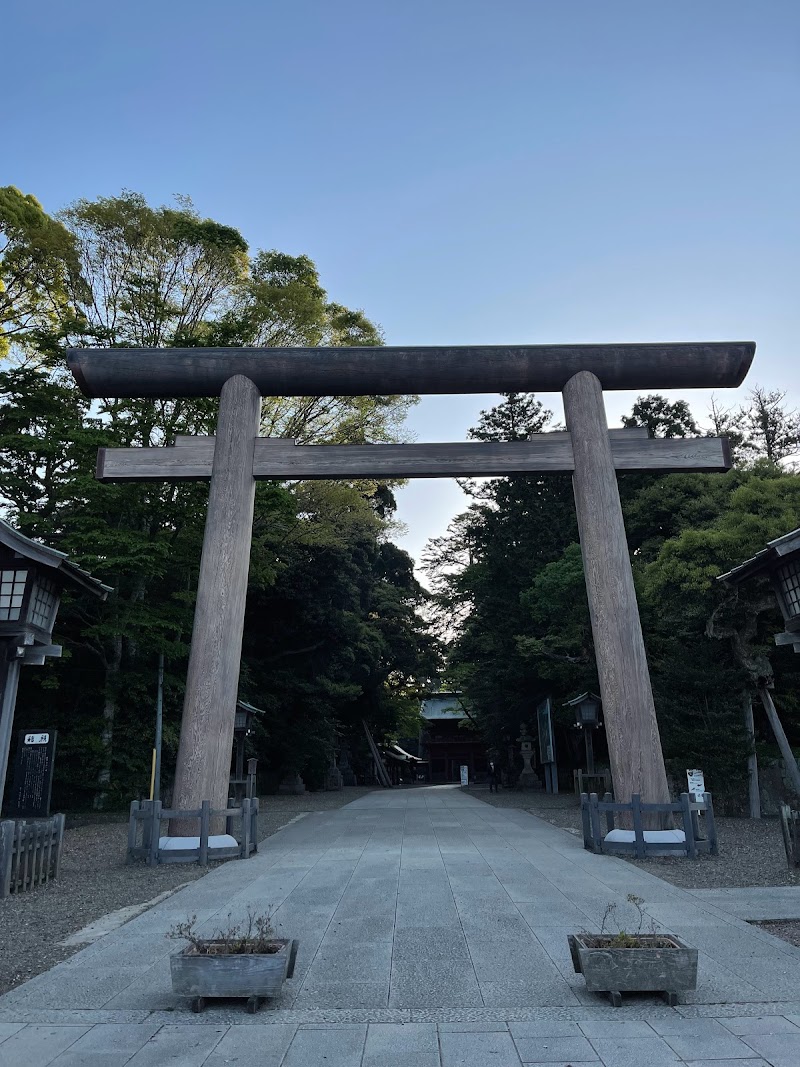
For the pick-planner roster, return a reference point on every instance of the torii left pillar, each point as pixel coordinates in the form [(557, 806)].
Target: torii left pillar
[(204, 754)]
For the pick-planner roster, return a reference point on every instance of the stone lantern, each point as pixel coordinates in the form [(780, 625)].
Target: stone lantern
[(32, 577), (528, 778)]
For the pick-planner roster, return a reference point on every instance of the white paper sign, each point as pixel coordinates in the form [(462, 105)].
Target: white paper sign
[(464, 774), (36, 739), (697, 784)]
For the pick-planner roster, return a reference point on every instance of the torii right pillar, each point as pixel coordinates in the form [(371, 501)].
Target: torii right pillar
[(634, 745)]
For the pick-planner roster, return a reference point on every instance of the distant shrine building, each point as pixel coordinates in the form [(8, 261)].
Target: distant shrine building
[(448, 741)]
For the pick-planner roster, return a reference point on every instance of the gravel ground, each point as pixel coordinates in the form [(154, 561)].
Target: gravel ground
[(789, 931), (95, 880), (750, 850)]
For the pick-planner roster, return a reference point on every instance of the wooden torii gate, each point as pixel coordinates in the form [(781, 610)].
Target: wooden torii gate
[(237, 456)]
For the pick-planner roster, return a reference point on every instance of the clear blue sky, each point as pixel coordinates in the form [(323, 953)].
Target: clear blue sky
[(469, 171)]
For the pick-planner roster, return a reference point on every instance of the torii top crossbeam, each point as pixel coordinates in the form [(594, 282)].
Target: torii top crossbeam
[(185, 372)]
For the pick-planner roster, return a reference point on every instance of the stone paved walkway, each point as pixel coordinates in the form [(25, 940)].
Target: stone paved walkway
[(433, 932)]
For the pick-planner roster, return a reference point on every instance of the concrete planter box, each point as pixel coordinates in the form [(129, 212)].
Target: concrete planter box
[(649, 968), (232, 975)]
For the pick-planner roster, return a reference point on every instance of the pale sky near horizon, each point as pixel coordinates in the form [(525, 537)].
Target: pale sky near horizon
[(474, 172)]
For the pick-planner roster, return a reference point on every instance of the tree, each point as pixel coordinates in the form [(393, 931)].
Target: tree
[(517, 418), (163, 276), (771, 430), (482, 572), (510, 574), (662, 418), (38, 269)]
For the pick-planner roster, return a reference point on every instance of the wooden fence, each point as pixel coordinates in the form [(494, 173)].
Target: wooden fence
[(30, 853), (583, 781), (642, 842), (149, 814)]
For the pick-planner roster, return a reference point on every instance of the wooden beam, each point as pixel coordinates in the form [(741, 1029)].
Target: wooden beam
[(179, 372), (191, 458), (634, 745), (790, 763)]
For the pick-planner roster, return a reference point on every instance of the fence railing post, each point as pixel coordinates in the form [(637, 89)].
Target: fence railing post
[(153, 821), (688, 826), (711, 826), (244, 851), (638, 829), (6, 855), (38, 854), (132, 821), (205, 823), (23, 849), (59, 820), (587, 828), (48, 856), (594, 813), (608, 799)]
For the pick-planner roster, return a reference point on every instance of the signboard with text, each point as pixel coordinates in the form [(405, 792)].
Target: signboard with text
[(464, 774), (33, 775), (697, 784)]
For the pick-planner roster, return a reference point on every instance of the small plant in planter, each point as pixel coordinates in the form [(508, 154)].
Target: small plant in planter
[(244, 960), (633, 961)]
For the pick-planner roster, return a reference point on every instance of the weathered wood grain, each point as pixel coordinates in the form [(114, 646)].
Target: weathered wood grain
[(637, 761), (204, 753), (192, 458), (792, 769), (178, 372), (241, 975), (635, 969)]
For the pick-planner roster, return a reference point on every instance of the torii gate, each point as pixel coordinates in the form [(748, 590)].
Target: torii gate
[(237, 456)]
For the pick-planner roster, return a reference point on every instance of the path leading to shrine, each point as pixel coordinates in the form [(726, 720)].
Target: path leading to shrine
[(432, 930)]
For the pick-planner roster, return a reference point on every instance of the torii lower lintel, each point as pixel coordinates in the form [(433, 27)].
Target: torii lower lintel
[(548, 453)]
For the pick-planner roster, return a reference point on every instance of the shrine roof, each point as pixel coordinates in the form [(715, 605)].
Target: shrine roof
[(35, 551), (765, 560)]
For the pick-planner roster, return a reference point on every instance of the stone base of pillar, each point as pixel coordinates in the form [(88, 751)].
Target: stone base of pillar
[(529, 780), (292, 783), (333, 781)]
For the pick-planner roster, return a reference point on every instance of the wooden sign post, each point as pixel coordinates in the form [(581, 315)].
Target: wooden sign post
[(237, 456)]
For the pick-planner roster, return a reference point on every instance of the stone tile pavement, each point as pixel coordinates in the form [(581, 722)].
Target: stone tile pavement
[(433, 931)]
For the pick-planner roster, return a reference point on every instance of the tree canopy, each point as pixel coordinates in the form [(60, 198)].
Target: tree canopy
[(508, 581), (334, 630)]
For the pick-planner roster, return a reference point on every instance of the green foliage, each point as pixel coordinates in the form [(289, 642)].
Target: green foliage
[(662, 418), (38, 269), (334, 631), (509, 582)]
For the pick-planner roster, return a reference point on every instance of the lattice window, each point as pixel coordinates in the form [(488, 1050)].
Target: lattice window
[(45, 603), (789, 575), (12, 590)]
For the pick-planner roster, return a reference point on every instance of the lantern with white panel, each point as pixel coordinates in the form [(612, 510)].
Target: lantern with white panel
[(32, 577)]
